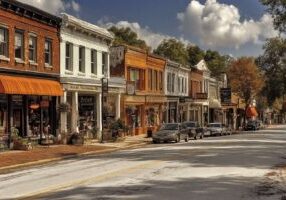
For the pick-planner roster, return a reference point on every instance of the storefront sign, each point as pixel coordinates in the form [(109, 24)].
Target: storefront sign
[(86, 100), (82, 88), (225, 95)]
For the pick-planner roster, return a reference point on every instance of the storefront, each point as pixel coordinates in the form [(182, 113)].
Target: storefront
[(28, 107)]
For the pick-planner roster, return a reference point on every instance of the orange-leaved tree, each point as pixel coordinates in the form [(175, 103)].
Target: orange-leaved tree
[(245, 79)]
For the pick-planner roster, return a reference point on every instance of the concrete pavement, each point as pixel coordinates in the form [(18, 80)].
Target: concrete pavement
[(230, 167)]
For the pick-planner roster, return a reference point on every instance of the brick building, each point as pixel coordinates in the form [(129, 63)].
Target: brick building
[(29, 70)]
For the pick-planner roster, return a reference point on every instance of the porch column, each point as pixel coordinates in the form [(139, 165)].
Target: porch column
[(99, 113), (64, 114), (74, 115), (117, 106)]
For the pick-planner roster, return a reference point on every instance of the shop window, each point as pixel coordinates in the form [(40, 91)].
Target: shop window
[(81, 61), (69, 56), (48, 52), (4, 42), (93, 61), (19, 44), (87, 113), (33, 48)]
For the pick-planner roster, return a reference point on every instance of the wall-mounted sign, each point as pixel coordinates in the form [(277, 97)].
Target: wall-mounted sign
[(130, 87), (225, 95)]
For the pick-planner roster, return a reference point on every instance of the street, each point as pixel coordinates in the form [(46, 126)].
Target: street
[(227, 167)]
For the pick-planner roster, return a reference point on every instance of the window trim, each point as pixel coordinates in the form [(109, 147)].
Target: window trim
[(93, 63), (34, 36), (22, 48), (50, 41), (70, 58), (81, 59), (5, 56)]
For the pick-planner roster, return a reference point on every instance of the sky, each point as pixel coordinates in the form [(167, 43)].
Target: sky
[(232, 27)]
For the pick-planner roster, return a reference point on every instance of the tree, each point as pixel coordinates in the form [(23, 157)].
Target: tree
[(128, 37), (277, 8), (216, 63), (273, 65), (173, 50), (245, 79), (195, 54)]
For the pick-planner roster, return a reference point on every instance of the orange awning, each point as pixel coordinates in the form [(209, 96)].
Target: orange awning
[(251, 112), (29, 86)]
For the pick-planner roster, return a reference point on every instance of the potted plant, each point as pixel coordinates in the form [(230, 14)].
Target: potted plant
[(64, 107), (118, 128)]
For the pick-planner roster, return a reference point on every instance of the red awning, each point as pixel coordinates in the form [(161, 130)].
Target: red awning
[(251, 112)]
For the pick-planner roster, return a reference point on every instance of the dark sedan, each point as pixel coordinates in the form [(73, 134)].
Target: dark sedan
[(193, 129)]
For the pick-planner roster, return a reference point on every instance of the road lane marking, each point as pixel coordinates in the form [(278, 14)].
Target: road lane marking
[(103, 177)]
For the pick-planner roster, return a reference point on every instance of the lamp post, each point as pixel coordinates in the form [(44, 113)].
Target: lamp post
[(104, 92)]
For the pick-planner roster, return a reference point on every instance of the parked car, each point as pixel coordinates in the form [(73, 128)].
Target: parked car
[(215, 129), (260, 124), (169, 132), (193, 129), (252, 125)]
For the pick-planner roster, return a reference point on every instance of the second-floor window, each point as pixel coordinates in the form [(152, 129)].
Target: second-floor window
[(69, 56), (150, 79), (160, 81), (137, 76), (173, 83), (4, 44), (81, 61), (93, 61), (19, 44), (104, 64), (33, 48), (155, 80), (48, 52)]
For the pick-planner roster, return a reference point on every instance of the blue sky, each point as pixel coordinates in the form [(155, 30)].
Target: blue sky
[(236, 27)]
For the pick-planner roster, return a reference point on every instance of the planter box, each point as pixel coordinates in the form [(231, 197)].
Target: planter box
[(19, 145)]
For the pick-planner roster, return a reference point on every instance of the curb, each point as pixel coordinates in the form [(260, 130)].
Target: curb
[(13, 168)]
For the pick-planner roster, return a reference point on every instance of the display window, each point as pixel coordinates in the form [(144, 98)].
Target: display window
[(87, 120)]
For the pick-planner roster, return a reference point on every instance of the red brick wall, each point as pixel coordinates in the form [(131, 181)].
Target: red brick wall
[(195, 82), (13, 21)]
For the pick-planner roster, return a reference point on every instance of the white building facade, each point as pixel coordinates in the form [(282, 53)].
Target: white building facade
[(176, 89), (84, 62)]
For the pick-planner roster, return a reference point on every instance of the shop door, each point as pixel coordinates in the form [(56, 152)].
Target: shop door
[(18, 120)]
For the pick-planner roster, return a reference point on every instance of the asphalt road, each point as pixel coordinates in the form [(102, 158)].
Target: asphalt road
[(227, 167)]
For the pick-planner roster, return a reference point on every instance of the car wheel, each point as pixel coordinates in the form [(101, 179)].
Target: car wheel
[(202, 136), (177, 139), (187, 138)]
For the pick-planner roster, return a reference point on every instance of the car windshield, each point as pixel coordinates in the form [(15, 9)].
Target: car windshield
[(189, 124), (214, 125), (170, 127)]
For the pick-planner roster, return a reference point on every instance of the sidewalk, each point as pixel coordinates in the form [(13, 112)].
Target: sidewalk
[(13, 160)]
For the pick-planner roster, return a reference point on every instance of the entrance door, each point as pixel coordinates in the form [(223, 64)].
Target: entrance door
[(18, 120)]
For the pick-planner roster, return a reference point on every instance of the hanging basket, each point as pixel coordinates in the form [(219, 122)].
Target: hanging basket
[(64, 107)]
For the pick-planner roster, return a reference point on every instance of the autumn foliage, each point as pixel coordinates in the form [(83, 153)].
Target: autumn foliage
[(245, 78)]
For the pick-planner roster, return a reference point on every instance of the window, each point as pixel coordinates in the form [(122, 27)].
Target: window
[(155, 80), (19, 44), (169, 84), (150, 77), (93, 61), (104, 64), (137, 76), (69, 56), (33, 48), (160, 81), (173, 82), (81, 60), (48, 52), (4, 44)]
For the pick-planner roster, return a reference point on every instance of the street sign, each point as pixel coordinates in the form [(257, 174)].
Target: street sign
[(225, 95)]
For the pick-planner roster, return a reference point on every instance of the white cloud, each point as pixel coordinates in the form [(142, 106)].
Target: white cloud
[(150, 37), (53, 6), (220, 25)]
